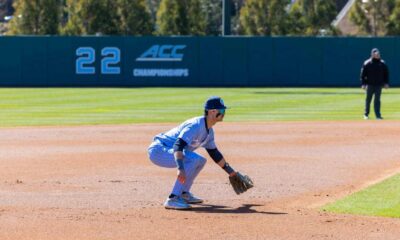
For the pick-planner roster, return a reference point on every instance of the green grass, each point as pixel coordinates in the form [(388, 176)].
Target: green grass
[(82, 106), (382, 199)]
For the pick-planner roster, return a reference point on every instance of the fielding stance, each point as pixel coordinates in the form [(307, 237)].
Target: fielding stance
[(176, 147)]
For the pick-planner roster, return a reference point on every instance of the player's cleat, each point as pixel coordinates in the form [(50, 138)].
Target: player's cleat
[(379, 118), (190, 198), (176, 203), (366, 117)]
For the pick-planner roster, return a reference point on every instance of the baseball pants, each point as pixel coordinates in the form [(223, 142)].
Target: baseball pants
[(163, 156), (376, 92)]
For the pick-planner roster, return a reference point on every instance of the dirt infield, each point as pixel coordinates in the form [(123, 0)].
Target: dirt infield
[(95, 182)]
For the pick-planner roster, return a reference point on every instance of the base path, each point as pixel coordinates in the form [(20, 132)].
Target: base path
[(95, 182)]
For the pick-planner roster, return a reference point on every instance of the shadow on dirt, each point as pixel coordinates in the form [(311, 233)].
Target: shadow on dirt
[(245, 208)]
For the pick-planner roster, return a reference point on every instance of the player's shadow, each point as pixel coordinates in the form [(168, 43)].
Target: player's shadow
[(245, 208)]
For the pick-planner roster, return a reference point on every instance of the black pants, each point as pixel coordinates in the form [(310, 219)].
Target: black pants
[(371, 91)]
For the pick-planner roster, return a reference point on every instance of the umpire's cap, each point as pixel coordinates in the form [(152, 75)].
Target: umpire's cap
[(214, 103)]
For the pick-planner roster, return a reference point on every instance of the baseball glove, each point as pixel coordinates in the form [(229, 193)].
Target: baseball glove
[(240, 183)]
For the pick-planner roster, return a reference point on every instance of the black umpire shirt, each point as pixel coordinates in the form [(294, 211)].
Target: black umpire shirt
[(374, 72)]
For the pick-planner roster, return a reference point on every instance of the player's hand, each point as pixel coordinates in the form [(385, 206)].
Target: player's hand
[(386, 86), (364, 87), (181, 176)]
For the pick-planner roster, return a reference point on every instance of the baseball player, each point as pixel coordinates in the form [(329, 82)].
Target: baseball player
[(175, 149)]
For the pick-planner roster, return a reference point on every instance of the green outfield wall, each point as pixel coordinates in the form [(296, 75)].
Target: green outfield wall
[(190, 61)]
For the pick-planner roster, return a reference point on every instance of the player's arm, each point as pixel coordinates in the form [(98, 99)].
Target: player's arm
[(216, 155), (179, 145), (363, 75), (386, 76)]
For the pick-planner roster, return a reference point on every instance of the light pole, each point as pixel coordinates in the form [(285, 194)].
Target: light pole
[(226, 17), (372, 8), (374, 17)]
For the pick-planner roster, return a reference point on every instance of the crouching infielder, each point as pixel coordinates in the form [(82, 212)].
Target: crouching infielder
[(175, 149)]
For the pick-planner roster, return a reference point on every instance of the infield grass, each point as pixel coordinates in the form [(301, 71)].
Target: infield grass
[(86, 106), (382, 199)]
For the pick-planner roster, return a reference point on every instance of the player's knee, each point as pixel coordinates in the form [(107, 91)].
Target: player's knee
[(152, 153)]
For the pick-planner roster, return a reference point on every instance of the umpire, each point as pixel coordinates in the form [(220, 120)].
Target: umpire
[(374, 76)]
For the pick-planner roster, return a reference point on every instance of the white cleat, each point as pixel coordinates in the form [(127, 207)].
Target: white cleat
[(190, 198), (176, 203), (366, 117)]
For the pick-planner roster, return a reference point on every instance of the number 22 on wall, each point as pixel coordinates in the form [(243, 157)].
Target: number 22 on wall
[(87, 57)]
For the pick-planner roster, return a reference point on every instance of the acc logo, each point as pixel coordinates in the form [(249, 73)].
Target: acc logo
[(162, 53)]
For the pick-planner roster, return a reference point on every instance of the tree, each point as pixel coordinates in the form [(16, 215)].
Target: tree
[(74, 24), (153, 5), (393, 26), (197, 18), (254, 18), (110, 17), (372, 16), (297, 21), (264, 17), (135, 17), (91, 17), (359, 18), (166, 18), (181, 17), (213, 12), (213, 16), (36, 17), (316, 15), (100, 17), (279, 17)]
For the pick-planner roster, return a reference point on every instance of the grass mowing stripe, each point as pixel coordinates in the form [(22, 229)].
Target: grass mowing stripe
[(78, 106)]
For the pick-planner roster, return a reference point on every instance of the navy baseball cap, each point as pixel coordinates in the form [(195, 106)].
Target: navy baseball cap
[(214, 103)]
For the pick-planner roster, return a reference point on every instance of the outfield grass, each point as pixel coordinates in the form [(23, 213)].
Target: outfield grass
[(382, 199), (82, 106)]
